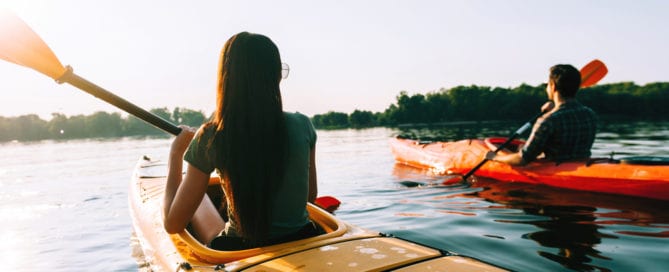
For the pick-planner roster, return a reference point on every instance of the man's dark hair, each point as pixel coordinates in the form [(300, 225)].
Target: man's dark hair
[(566, 78)]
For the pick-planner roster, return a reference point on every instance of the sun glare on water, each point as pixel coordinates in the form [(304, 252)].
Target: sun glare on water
[(13, 258)]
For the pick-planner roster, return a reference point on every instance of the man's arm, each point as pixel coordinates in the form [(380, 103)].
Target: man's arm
[(512, 159)]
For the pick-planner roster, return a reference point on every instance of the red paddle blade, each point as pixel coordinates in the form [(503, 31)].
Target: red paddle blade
[(592, 73), (328, 203), (454, 180), (20, 45)]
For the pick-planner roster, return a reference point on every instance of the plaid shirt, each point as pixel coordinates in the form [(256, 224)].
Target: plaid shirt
[(566, 134)]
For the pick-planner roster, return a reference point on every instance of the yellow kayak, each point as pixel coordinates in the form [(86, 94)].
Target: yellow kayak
[(343, 247)]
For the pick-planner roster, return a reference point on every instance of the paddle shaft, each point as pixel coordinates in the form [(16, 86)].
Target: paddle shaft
[(518, 132), (97, 91)]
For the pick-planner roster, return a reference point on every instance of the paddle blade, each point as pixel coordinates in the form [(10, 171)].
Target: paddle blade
[(411, 184), (328, 203), (21, 45), (592, 73), (454, 181)]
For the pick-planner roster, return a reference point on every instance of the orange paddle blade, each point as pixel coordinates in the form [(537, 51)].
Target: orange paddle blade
[(454, 180), (21, 45), (592, 73)]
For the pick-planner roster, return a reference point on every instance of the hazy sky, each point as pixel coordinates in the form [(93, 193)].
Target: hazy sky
[(344, 55)]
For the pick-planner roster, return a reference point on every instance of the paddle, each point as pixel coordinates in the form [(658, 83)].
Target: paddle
[(591, 73), (19, 44), (327, 203)]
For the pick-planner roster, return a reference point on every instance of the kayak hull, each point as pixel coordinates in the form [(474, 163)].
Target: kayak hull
[(344, 247), (596, 175)]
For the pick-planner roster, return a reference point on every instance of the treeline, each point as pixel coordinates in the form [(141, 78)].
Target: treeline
[(618, 101), (621, 101), (97, 125)]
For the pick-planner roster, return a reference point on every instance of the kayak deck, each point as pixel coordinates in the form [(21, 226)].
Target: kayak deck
[(596, 175), (343, 247)]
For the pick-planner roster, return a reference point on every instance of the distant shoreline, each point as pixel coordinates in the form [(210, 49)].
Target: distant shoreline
[(462, 105)]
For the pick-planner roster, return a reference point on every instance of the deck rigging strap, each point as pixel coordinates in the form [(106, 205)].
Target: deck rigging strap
[(645, 160)]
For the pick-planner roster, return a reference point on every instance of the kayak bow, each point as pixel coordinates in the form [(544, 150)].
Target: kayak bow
[(343, 247)]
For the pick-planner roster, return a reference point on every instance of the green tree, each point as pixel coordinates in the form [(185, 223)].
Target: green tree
[(76, 127), (409, 109), (654, 100), (188, 117), (58, 126), (162, 113), (624, 100), (438, 106), (361, 119), (103, 124), (331, 120), (29, 127), (6, 133)]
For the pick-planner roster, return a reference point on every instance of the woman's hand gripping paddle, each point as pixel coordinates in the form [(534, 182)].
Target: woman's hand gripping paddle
[(591, 73)]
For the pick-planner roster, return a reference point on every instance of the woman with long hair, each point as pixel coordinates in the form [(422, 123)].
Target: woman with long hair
[(265, 157)]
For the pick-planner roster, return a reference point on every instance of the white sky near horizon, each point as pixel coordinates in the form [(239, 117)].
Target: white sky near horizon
[(344, 55)]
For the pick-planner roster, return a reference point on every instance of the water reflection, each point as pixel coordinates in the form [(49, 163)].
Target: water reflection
[(572, 220), (569, 226), (569, 229)]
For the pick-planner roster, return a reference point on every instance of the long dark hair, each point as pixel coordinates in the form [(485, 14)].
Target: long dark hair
[(250, 130)]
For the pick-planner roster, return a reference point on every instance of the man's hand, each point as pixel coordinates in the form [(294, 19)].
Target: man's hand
[(490, 155), (548, 106)]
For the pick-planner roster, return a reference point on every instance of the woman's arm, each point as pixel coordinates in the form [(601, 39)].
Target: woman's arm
[(313, 184), (182, 197)]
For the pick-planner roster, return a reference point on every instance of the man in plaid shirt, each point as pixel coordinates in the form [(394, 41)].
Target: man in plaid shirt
[(566, 132)]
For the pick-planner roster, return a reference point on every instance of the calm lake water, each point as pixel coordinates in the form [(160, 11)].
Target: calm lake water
[(63, 204)]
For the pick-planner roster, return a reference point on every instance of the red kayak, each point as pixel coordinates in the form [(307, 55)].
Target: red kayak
[(646, 177)]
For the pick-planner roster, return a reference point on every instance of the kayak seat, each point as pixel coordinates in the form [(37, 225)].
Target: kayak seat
[(227, 243), (210, 217), (328, 227)]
